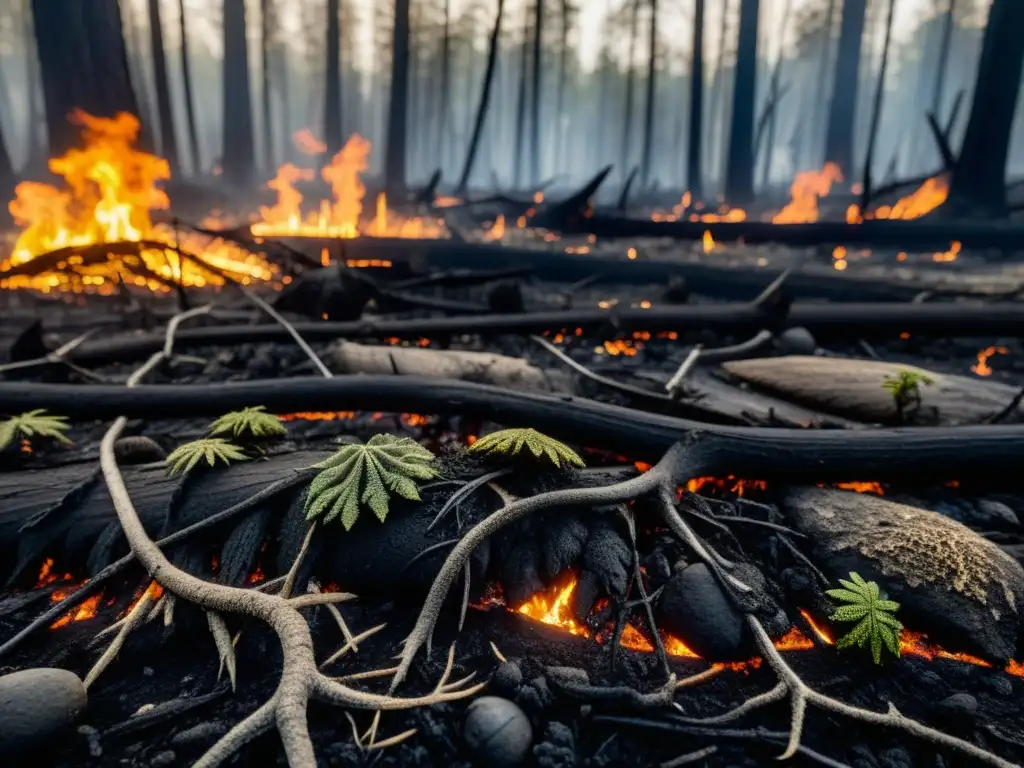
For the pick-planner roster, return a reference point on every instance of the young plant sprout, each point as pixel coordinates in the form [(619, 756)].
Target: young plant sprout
[(863, 602), (31, 424), (211, 449)]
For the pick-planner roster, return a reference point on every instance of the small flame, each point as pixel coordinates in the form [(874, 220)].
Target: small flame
[(708, 241), (982, 368), (497, 230), (805, 192), (307, 143)]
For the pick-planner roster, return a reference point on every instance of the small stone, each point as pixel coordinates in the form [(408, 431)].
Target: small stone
[(35, 704), (138, 449), (999, 684), (958, 710), (201, 735), (163, 759), (996, 513), (507, 678), (797, 341), (497, 732)]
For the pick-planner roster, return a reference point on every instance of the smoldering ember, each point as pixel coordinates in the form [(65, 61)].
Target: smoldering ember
[(555, 385)]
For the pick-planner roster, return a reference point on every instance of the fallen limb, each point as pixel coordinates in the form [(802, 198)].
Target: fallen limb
[(815, 456), (825, 321)]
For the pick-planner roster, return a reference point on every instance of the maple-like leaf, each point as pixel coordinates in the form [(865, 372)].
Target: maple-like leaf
[(211, 449), (510, 442), (36, 423), (251, 422), (368, 473), (864, 603)]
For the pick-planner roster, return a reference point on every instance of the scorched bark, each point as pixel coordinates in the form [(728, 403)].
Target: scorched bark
[(238, 143)]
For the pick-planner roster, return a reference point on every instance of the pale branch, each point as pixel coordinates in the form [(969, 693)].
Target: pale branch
[(299, 679)]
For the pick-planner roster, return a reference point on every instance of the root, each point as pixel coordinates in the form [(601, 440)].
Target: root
[(300, 680), (801, 696)]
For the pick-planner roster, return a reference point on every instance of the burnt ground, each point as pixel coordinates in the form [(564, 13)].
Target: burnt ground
[(176, 668)]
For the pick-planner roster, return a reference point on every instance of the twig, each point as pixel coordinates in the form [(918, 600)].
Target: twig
[(675, 383), (289, 579), (57, 356)]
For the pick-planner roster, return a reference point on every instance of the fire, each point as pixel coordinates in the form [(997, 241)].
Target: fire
[(110, 190), (708, 241), (497, 230), (805, 191), (982, 368), (925, 199), (342, 217), (307, 143)]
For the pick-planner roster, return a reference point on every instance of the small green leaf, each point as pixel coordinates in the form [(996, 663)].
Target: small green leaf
[(37, 423), (876, 627), (510, 442), (209, 449), (250, 422)]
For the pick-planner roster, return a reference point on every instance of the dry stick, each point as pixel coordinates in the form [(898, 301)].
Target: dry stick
[(690, 757), (684, 369), (300, 679), (801, 696), (57, 356), (638, 577), (131, 621)]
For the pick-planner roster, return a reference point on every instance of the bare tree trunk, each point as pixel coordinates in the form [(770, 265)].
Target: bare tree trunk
[(524, 71), (485, 100), (978, 184), (718, 91), (563, 58), (83, 62), (876, 108), (398, 107), (446, 75), (33, 114), (186, 82), (168, 138), (648, 147), (739, 174), (239, 155), (332, 81), (6, 168), (695, 138), (136, 58), (627, 112), (268, 123), (825, 57), (843, 111), (538, 31), (774, 101), (940, 65)]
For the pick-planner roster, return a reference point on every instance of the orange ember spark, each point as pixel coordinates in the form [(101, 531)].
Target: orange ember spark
[(708, 241), (307, 143), (982, 368)]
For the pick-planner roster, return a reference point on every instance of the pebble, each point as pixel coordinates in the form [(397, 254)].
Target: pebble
[(497, 732), (507, 678), (999, 684), (797, 341), (138, 449), (163, 759), (35, 704), (960, 705)]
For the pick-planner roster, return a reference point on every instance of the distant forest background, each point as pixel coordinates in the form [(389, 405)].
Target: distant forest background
[(631, 109)]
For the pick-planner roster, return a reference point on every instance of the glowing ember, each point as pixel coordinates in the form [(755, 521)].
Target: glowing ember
[(342, 217), (497, 230), (111, 190), (805, 191), (982, 368), (708, 241)]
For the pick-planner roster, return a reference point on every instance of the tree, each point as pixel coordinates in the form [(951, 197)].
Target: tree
[(485, 100), (332, 80), (168, 139), (627, 111), (83, 63), (398, 107), (186, 82), (524, 69), (978, 183), (843, 111), (538, 31), (693, 146), (739, 172), (652, 61), (238, 149), (266, 16)]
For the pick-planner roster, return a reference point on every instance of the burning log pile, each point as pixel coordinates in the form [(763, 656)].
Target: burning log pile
[(619, 517)]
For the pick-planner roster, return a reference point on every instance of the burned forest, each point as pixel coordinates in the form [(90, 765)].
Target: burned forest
[(511, 383)]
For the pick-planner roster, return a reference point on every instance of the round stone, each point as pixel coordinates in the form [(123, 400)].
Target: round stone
[(36, 704), (798, 341), (497, 732)]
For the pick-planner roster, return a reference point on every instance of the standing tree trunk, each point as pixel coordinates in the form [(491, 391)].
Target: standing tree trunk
[(268, 123), (978, 184), (627, 112), (238, 146), (563, 58), (645, 161), (168, 138), (718, 91), (843, 112), (186, 82), (6, 169), (446, 74), (876, 109), (739, 173), (332, 81), (825, 56), (394, 161), (538, 30), (524, 71), (485, 100), (940, 65), (694, 139), (83, 62), (34, 117)]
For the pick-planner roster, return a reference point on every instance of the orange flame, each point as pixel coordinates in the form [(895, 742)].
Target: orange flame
[(982, 368), (708, 241), (307, 143), (925, 199), (805, 191)]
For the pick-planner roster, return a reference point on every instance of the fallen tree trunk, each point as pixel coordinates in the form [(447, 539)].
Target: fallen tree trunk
[(914, 236), (932, 454), (825, 321)]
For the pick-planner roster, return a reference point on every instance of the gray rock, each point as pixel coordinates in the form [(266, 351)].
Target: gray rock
[(960, 709), (497, 732), (163, 759), (996, 514), (694, 607), (999, 684), (797, 341), (507, 678), (36, 704), (960, 589), (138, 449)]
